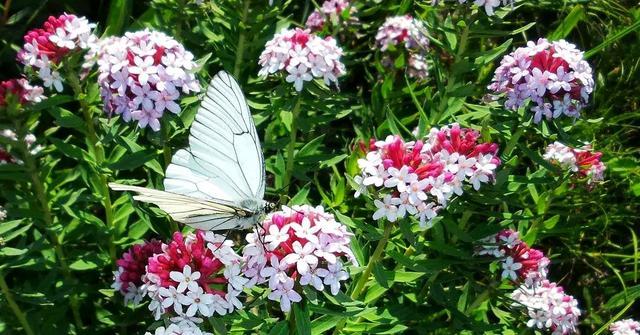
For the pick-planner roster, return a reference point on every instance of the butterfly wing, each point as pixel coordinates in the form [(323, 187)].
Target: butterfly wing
[(224, 159), (198, 213), (207, 184)]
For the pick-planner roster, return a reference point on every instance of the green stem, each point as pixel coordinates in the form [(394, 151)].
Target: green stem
[(357, 291), (14, 306), (241, 40), (166, 155), (96, 147), (293, 135), (451, 78), (43, 201), (364, 277), (166, 150)]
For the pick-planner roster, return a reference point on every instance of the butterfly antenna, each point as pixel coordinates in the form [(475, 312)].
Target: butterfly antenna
[(226, 236), (261, 236)]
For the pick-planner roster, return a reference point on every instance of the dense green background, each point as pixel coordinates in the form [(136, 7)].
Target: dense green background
[(426, 282)]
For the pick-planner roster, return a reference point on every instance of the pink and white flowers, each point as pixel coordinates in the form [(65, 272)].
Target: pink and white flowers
[(625, 327), (488, 5), (548, 307), (194, 275), (302, 245), (409, 33), (46, 47), (332, 12), (302, 56), (6, 157), (182, 328), (21, 90), (128, 279), (143, 74), (520, 263), (584, 162), (418, 178), (553, 75)]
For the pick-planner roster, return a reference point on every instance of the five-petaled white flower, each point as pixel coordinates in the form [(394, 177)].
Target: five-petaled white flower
[(185, 279)]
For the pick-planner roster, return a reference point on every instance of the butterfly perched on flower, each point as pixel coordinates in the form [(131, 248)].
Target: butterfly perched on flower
[(218, 182)]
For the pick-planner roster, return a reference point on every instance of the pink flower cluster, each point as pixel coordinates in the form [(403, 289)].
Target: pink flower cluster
[(489, 5), (625, 327), (332, 12), (179, 329), (548, 307), (142, 74), (46, 47), (419, 178), (21, 90), (553, 75), (302, 245), (5, 155), (584, 161), (302, 56), (410, 33), (196, 274), (520, 263), (128, 279)]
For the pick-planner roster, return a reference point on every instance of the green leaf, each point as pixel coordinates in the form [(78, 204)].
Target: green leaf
[(324, 323), (570, 21), (300, 197), (134, 160), (333, 161), (69, 150), (66, 119), (83, 265), (630, 295), (119, 11), (8, 251), (614, 37), (303, 321), (281, 328)]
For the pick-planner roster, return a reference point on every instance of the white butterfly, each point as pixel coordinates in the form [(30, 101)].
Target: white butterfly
[(218, 182)]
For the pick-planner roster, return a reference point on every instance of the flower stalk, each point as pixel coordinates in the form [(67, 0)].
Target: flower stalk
[(241, 40), (14, 306), (43, 200), (291, 146), (98, 150), (364, 277)]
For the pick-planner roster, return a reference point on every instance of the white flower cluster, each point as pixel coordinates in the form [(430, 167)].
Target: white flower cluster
[(419, 178), (181, 326), (410, 33), (188, 299), (583, 161), (3, 213), (625, 327), (548, 307), (29, 139), (302, 244), (142, 75), (331, 12), (302, 56), (489, 5), (45, 47), (553, 75)]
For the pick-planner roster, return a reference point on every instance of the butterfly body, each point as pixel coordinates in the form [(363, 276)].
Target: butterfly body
[(218, 182)]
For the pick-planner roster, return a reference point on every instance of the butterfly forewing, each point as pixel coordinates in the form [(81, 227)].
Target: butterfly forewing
[(223, 140), (209, 184)]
